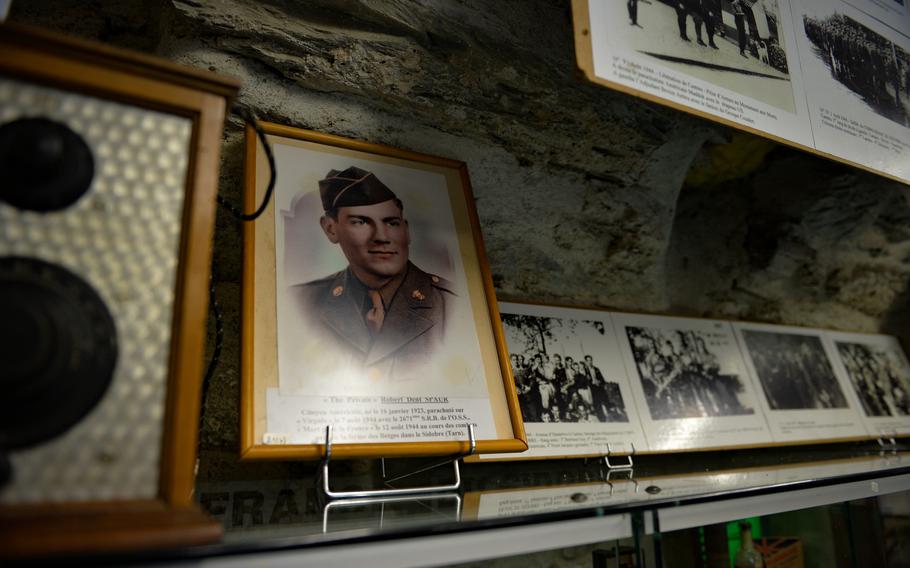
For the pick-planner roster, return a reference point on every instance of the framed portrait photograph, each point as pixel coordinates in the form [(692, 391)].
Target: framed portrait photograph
[(368, 306)]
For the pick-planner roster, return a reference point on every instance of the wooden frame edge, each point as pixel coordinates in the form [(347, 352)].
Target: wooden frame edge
[(181, 426), (725, 448), (248, 298), (123, 60)]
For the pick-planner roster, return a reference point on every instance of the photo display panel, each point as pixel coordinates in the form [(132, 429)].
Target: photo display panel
[(855, 72), (803, 396), (572, 386), (830, 76), (879, 375), (592, 382), (690, 383), (696, 58)]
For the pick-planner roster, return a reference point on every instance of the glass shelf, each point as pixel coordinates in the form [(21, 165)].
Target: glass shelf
[(274, 513)]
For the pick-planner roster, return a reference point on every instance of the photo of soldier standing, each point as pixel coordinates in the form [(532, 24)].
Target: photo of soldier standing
[(632, 6), (739, 13), (705, 13)]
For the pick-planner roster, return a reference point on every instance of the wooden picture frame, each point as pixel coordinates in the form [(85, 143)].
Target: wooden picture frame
[(89, 512), (313, 354)]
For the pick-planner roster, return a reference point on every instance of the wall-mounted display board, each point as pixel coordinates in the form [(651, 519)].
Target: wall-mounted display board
[(828, 76), (592, 382), (368, 306)]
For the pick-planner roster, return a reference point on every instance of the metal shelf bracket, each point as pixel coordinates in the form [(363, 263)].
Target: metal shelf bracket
[(622, 465), (392, 492)]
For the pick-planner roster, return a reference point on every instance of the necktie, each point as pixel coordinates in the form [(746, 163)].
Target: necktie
[(376, 314)]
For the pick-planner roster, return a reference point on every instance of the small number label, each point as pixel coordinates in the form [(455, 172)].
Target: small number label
[(275, 439)]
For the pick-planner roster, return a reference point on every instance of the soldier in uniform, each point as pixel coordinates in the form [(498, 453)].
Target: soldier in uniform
[(382, 313), (739, 15), (598, 388), (632, 6), (682, 10), (706, 12)]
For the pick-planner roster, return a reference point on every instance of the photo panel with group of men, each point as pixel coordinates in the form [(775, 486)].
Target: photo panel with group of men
[(592, 383), (828, 76)]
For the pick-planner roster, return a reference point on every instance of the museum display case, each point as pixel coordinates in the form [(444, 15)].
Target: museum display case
[(580, 201)]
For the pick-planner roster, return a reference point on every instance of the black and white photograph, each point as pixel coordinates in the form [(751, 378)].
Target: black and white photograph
[(558, 374), (690, 382), (735, 44), (681, 375), (794, 371), (875, 70), (878, 376), (855, 70), (572, 386)]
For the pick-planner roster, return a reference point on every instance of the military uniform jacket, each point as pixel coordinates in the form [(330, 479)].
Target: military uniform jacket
[(412, 330)]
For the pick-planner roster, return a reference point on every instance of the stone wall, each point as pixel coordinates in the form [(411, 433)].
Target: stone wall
[(586, 196)]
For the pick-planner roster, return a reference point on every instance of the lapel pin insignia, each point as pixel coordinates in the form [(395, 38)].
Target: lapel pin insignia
[(337, 290)]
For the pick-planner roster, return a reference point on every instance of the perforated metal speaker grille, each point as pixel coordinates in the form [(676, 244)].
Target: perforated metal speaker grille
[(122, 237)]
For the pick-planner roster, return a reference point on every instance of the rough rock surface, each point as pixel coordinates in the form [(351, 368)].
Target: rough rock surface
[(578, 187), (802, 242)]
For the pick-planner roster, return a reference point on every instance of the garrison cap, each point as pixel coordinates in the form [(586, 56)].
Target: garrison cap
[(351, 188)]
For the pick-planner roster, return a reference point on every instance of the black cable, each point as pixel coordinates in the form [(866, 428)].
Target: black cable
[(216, 352), (6, 469), (251, 119)]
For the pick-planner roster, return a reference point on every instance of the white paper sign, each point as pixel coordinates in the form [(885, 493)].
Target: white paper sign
[(299, 419)]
